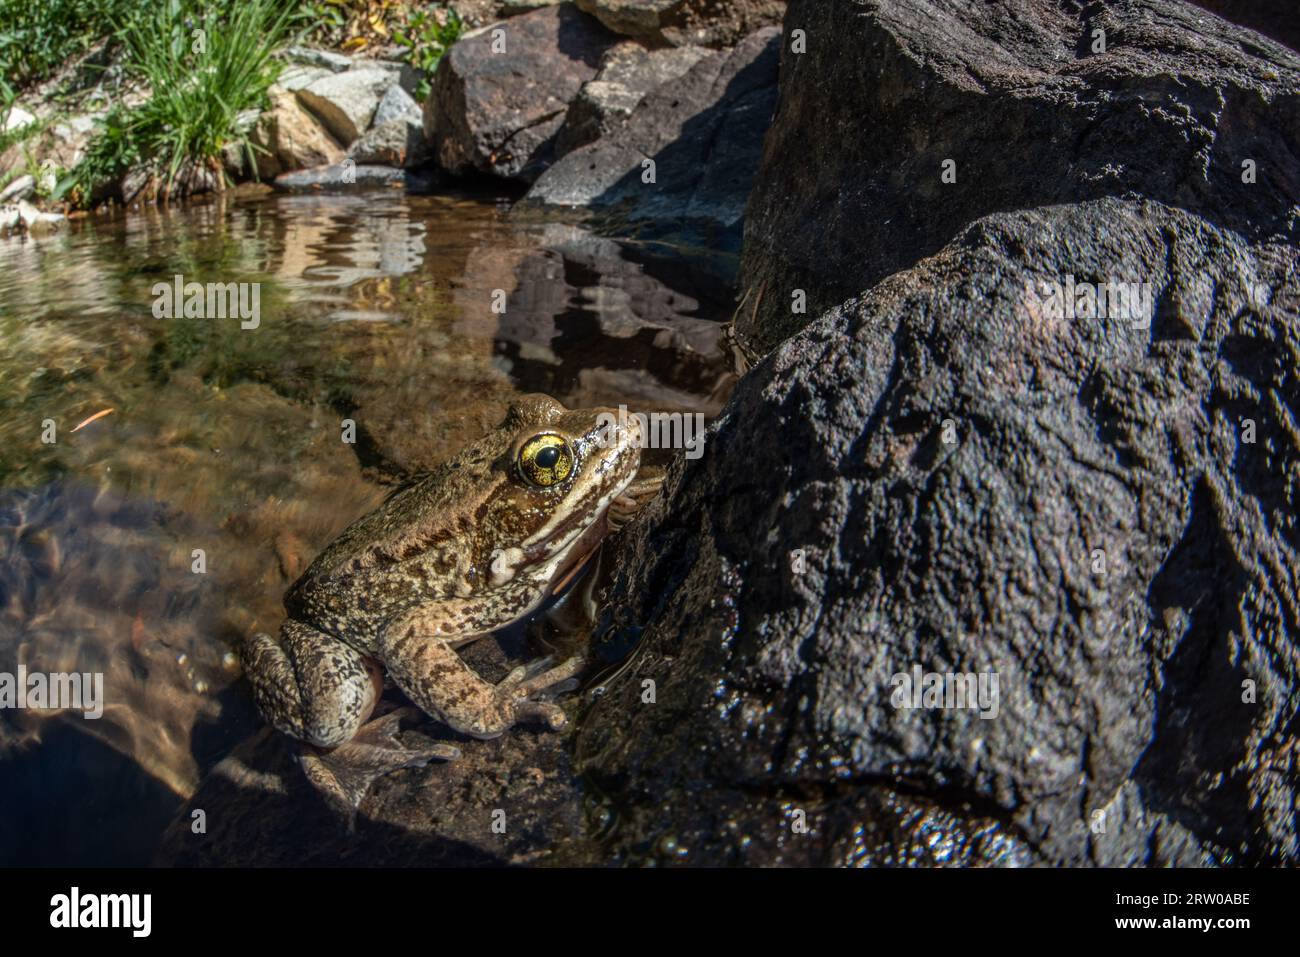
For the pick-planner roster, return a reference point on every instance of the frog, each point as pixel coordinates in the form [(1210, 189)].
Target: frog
[(465, 549)]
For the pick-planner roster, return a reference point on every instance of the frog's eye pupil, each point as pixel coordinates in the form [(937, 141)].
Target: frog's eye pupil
[(545, 461)]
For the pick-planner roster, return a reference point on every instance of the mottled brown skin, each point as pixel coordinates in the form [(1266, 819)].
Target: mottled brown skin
[(458, 553)]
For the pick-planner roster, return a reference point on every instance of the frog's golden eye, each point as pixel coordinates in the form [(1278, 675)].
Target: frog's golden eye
[(545, 460)]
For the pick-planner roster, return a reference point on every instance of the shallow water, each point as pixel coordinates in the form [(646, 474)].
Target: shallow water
[(374, 307)]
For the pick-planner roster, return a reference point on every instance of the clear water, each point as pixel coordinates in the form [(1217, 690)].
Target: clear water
[(375, 307)]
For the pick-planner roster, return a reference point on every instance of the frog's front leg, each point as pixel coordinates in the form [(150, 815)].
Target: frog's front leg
[(417, 648)]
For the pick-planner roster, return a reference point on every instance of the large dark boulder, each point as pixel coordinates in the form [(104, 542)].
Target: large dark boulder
[(704, 131), (943, 475), (501, 93), (851, 188)]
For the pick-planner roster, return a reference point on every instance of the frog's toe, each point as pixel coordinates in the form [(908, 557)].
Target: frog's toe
[(552, 714), (518, 693), (555, 679)]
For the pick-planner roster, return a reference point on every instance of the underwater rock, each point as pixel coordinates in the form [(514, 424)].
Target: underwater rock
[(346, 175)]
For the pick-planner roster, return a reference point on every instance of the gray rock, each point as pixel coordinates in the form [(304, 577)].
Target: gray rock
[(297, 76), (404, 75), (510, 8), (498, 112), (628, 73), (21, 188), (345, 175), (16, 119), (399, 142), (887, 92), (396, 104), (977, 485), (35, 221), (704, 131), (346, 102), (325, 59)]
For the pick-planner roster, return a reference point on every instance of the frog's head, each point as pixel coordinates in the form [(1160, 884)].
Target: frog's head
[(559, 471)]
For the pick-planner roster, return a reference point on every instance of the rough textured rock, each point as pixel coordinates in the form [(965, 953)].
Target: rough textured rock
[(498, 112), (1278, 19), (628, 73), (396, 104), (704, 132), (686, 22), (325, 59), (346, 102), (851, 189), (287, 137), (398, 142), (977, 486)]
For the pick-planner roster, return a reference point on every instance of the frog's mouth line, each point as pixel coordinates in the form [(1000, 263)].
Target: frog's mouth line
[(573, 529)]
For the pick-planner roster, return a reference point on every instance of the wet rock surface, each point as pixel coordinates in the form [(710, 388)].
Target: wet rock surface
[(704, 133), (348, 175), (510, 801), (501, 93), (974, 486), (885, 94)]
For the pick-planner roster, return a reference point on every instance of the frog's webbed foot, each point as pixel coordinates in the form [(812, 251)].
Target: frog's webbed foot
[(344, 775)]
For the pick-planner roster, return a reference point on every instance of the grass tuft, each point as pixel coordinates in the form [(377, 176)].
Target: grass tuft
[(204, 63)]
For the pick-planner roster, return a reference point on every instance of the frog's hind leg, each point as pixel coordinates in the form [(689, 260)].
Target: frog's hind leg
[(319, 690), (311, 685)]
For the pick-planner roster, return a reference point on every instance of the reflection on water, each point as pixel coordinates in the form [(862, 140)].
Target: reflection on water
[(223, 448)]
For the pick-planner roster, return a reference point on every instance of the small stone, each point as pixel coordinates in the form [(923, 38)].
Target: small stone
[(21, 188)]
